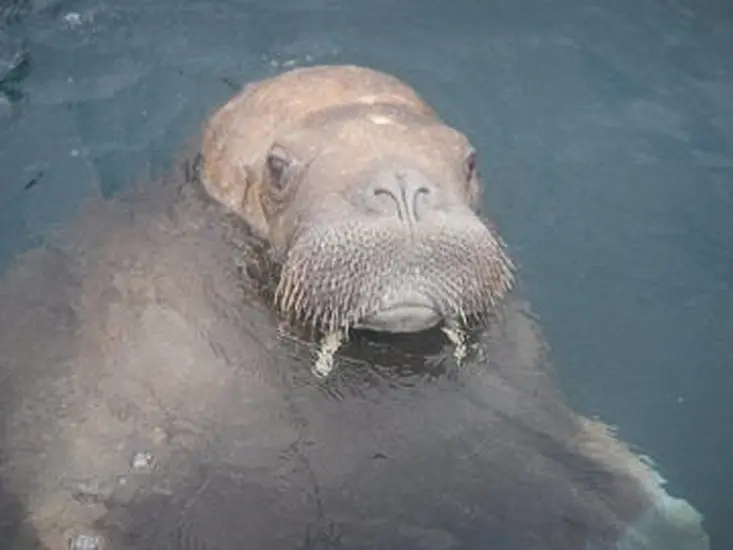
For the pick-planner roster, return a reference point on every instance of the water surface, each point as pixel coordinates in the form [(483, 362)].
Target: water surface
[(606, 140)]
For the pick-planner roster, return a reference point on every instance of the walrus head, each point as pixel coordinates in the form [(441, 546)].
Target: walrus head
[(370, 204)]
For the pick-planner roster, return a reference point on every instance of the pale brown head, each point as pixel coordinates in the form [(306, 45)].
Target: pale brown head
[(371, 208)]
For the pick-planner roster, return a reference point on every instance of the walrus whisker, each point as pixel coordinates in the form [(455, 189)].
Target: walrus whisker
[(286, 300), (297, 300), (462, 314), (282, 296)]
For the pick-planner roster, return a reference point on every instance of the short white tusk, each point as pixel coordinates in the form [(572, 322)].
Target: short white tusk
[(326, 352), (458, 338)]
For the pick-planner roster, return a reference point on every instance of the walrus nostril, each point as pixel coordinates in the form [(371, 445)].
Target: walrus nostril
[(397, 194)]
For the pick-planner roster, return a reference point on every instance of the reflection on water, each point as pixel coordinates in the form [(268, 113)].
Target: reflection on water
[(605, 130)]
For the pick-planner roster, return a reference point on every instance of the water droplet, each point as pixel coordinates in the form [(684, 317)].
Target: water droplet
[(85, 542), (143, 461)]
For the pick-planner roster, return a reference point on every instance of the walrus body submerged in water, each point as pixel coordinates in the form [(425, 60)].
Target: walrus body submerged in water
[(154, 393)]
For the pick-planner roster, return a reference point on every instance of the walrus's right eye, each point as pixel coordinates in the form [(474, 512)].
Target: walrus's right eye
[(279, 164), (469, 165)]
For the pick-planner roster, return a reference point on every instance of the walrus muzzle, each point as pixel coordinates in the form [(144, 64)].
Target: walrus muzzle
[(400, 264), (367, 199)]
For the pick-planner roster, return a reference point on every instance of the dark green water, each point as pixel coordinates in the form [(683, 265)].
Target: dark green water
[(606, 139)]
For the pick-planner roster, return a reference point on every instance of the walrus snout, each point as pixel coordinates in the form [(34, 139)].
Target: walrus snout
[(371, 272), (404, 193)]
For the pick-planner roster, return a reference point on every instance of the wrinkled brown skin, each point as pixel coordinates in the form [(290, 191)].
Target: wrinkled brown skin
[(234, 157), (136, 331)]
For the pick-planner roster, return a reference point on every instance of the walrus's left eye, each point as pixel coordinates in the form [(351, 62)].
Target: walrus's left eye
[(469, 165), (279, 164)]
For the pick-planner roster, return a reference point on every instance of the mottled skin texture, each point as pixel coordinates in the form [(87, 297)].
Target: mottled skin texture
[(136, 330)]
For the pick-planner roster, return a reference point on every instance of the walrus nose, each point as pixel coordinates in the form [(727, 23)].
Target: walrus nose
[(409, 196)]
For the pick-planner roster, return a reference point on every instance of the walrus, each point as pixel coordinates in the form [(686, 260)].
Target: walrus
[(157, 354)]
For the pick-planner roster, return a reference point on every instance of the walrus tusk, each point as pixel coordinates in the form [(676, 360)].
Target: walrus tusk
[(458, 338), (331, 343), (326, 352)]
